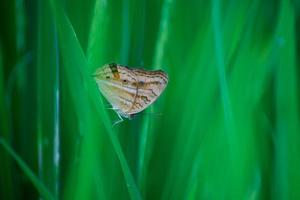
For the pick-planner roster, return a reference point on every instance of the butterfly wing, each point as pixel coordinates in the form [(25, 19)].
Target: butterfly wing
[(150, 85), (130, 91), (119, 93)]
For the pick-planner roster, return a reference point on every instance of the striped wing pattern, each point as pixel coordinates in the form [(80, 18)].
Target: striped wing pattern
[(130, 91), (150, 85)]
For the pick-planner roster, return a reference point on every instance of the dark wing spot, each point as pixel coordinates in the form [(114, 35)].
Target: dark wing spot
[(125, 81), (141, 83), (107, 77)]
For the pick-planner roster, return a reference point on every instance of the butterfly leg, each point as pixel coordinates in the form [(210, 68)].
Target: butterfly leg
[(118, 121)]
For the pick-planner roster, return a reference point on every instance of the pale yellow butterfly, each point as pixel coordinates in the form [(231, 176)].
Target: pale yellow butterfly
[(129, 90)]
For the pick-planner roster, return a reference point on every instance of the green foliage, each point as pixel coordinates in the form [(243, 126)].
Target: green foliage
[(226, 127)]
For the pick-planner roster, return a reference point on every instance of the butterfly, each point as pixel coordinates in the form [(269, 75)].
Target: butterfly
[(129, 90)]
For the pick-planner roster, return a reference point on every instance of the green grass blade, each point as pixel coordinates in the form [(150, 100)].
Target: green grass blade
[(27, 171), (147, 131), (6, 188), (219, 55), (98, 32), (162, 33), (78, 69), (287, 108), (48, 101)]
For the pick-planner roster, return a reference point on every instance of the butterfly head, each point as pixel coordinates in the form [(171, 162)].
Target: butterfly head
[(107, 72)]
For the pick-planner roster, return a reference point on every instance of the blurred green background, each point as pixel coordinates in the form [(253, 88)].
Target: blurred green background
[(226, 127)]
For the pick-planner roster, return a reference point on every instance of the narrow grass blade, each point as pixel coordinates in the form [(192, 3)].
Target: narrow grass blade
[(287, 140), (28, 172), (48, 100), (6, 183), (147, 132), (78, 69)]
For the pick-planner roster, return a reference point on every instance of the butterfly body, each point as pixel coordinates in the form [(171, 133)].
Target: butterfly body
[(129, 91)]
